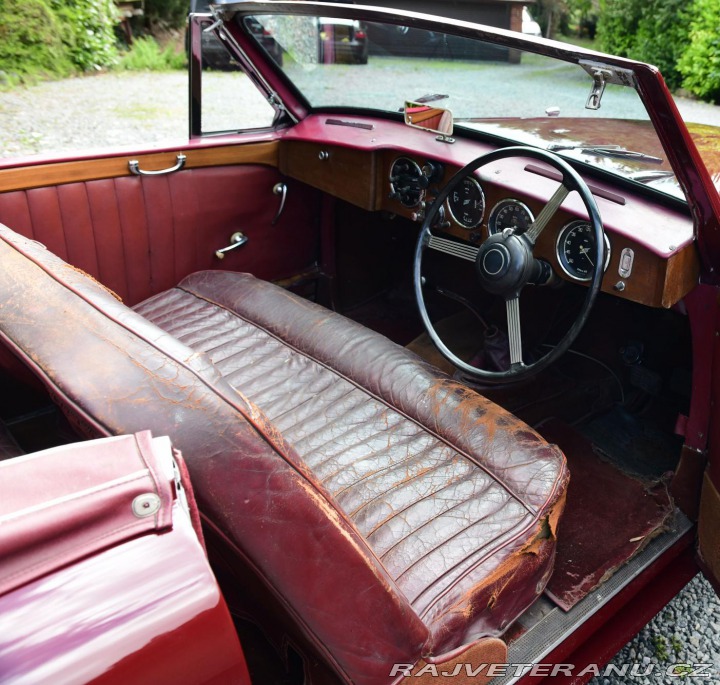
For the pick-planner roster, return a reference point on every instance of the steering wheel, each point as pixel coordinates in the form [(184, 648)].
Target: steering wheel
[(504, 264)]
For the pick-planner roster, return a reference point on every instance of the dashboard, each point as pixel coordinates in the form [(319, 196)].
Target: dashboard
[(467, 210), (386, 166)]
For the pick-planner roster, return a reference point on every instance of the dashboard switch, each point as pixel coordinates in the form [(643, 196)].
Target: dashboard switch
[(627, 256)]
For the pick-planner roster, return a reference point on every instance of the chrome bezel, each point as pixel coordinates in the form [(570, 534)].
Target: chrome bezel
[(508, 200), (460, 223), (561, 237), (421, 193)]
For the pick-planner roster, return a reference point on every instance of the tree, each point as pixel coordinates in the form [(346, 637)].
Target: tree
[(551, 15), (165, 14)]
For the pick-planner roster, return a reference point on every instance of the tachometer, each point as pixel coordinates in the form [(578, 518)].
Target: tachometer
[(467, 203), (576, 250), (510, 213)]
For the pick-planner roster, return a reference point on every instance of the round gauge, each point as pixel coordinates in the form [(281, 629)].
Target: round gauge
[(576, 250), (407, 182), (467, 203), (510, 213)]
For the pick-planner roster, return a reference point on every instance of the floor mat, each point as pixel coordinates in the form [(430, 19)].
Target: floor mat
[(609, 517), (636, 444)]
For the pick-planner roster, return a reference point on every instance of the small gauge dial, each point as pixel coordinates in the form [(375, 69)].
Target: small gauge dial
[(467, 203), (407, 182), (510, 213), (576, 250)]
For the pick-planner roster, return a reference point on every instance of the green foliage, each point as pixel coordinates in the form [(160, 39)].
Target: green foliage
[(88, 31), (653, 31), (662, 37), (166, 13), (700, 63), (551, 15), (660, 645), (30, 43), (618, 25), (147, 55)]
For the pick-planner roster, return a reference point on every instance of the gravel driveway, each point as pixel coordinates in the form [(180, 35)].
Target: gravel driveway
[(133, 109)]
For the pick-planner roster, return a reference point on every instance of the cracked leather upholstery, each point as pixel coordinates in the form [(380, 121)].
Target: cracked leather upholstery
[(444, 485), (394, 513)]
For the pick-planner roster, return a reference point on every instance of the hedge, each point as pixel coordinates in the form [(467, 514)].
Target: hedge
[(30, 40), (700, 62), (89, 34), (654, 31)]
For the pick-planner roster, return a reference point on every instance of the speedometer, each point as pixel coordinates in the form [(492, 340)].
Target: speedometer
[(467, 203), (510, 213), (576, 250)]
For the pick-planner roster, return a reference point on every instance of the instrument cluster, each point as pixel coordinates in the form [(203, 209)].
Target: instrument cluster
[(466, 208)]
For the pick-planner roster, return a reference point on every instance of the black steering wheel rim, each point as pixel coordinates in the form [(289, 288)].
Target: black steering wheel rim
[(571, 180)]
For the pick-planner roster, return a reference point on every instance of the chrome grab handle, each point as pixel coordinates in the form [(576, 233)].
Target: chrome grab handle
[(134, 167), (236, 240), (280, 189)]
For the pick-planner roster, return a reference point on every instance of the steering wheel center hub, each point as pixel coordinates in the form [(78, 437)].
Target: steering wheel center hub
[(496, 262), (503, 264)]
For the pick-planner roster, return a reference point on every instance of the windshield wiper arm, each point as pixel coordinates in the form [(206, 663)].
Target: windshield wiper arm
[(608, 151)]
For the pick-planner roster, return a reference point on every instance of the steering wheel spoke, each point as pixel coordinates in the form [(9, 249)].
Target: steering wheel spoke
[(512, 307), (453, 247), (547, 213), (504, 264)]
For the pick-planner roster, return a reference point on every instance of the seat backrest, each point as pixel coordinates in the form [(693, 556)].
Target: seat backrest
[(114, 372)]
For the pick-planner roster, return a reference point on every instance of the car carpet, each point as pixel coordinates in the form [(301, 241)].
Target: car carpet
[(609, 517), (634, 443)]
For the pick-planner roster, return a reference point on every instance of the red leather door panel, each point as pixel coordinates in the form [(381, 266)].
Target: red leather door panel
[(141, 235)]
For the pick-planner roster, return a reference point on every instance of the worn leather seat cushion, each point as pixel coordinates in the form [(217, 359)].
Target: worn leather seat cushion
[(411, 515), (457, 498)]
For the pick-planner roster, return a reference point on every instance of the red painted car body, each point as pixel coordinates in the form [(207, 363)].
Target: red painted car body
[(94, 589)]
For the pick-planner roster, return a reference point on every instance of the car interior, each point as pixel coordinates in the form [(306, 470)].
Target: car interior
[(391, 469)]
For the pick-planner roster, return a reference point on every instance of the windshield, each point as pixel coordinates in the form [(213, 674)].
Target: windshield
[(521, 96)]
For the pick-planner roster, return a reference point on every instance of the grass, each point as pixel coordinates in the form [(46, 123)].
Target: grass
[(587, 43), (661, 647), (147, 55)]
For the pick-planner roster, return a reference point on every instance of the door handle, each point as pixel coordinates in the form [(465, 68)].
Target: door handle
[(134, 167), (236, 240), (281, 190)]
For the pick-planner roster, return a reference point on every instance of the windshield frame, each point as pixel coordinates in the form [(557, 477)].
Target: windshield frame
[(674, 137)]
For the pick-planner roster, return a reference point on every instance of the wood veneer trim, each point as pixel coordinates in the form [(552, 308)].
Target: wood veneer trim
[(50, 174)]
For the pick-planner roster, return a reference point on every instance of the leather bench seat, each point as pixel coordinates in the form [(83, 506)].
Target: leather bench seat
[(446, 487), (394, 514)]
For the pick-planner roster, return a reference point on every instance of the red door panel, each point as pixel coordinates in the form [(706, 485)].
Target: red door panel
[(139, 235)]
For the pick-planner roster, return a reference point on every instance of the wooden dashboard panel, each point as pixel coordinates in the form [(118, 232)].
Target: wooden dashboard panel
[(343, 172), (656, 280), (662, 273)]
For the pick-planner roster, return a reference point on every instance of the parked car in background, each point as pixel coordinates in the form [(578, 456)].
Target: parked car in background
[(436, 339), (529, 25), (342, 41)]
